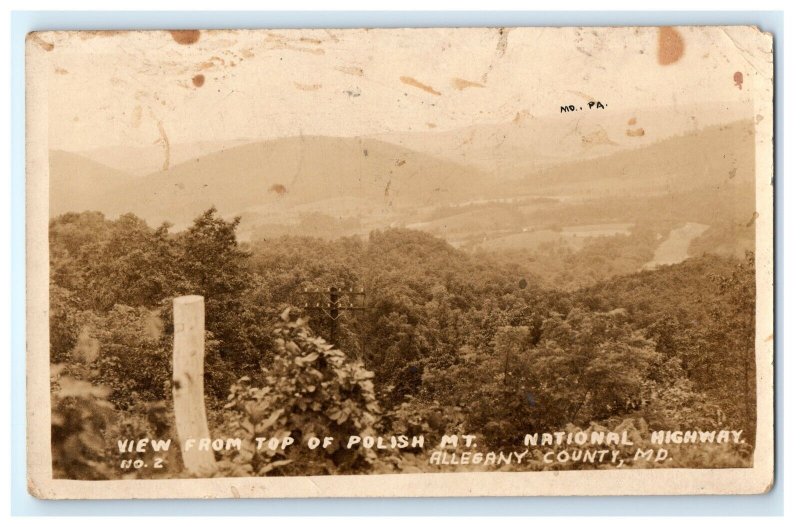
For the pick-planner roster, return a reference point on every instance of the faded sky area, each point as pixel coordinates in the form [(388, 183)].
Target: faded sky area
[(140, 88)]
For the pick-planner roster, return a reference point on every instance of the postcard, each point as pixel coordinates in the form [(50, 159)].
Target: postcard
[(507, 261)]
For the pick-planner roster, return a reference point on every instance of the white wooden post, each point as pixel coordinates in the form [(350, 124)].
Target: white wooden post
[(187, 382)]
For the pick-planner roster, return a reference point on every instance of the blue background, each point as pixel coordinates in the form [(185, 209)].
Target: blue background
[(23, 504)]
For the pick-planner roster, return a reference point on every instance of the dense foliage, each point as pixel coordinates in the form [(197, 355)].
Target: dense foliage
[(449, 342)]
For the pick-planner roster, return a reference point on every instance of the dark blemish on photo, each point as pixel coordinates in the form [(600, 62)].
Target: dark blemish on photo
[(417, 84), (502, 42), (670, 46), (351, 70), (164, 139), (47, 46), (738, 79), (461, 84), (199, 80), (185, 36)]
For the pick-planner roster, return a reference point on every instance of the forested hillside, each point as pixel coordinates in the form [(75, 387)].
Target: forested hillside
[(448, 342)]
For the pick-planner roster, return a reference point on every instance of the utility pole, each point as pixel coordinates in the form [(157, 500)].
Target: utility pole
[(333, 302)]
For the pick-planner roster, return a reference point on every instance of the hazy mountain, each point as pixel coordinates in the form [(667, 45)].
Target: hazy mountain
[(705, 177), (721, 156), (78, 183), (352, 185), (294, 172), (144, 160), (528, 143)]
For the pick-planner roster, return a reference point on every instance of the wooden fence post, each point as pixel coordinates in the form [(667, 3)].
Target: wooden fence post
[(187, 382)]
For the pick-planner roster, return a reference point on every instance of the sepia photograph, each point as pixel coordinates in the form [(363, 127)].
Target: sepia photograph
[(400, 262)]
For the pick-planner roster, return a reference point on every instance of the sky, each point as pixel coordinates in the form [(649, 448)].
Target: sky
[(142, 88)]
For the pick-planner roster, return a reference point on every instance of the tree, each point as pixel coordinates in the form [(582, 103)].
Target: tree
[(212, 264), (590, 366)]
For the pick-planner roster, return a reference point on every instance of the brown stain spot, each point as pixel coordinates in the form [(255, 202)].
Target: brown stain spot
[(431, 125), (521, 116), (732, 173), (770, 337), (61, 71), (185, 36), (461, 84), (400, 162), (214, 60), (632, 121), (670, 45), (39, 41), (164, 140), (759, 118), (307, 87), (469, 138), (352, 70), (278, 189), (198, 80), (597, 138), (411, 81), (738, 79), (752, 219), (639, 132)]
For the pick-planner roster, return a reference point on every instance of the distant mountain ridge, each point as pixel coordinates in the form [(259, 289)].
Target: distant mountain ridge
[(144, 160), (527, 143), (720, 155), (370, 183), (281, 172)]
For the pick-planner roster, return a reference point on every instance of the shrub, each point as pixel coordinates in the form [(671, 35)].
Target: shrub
[(307, 389)]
